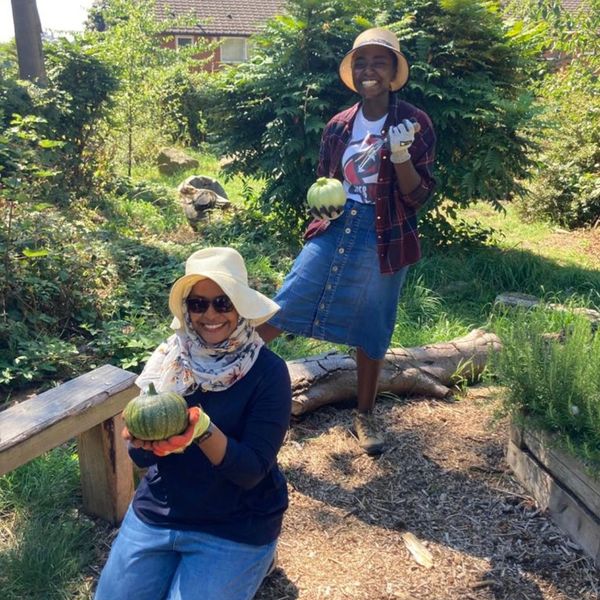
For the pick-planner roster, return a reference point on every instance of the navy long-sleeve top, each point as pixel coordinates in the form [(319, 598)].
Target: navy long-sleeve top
[(243, 498)]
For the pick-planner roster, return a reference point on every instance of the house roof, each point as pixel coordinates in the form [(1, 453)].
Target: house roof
[(221, 17), (572, 4)]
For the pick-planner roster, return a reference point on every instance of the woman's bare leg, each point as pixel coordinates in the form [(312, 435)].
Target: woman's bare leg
[(369, 437), (368, 370)]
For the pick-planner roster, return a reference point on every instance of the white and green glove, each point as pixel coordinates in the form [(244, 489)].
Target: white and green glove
[(400, 139)]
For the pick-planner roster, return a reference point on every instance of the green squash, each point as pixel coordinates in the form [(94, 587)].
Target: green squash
[(154, 416), (327, 197)]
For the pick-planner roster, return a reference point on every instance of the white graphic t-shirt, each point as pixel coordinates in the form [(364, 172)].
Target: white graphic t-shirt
[(362, 157)]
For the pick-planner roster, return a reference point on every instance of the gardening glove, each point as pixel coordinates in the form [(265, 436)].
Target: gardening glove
[(400, 138), (325, 212), (135, 442), (199, 422)]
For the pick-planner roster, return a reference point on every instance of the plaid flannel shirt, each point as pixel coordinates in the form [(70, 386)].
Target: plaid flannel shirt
[(396, 213)]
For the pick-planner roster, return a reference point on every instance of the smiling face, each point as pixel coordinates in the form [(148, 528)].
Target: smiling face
[(373, 70), (212, 326)]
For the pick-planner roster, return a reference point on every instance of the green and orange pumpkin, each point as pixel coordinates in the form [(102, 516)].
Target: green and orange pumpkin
[(154, 416)]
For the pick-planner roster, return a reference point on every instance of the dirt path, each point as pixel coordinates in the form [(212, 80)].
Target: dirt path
[(444, 478)]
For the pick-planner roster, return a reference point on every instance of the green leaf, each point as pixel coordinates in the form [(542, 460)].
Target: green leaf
[(34, 253)]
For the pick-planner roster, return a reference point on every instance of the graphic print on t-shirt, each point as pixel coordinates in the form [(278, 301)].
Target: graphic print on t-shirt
[(362, 158)]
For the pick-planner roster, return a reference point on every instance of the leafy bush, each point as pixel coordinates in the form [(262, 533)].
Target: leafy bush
[(550, 366), (78, 96), (77, 287), (466, 72), (181, 107), (565, 186), (128, 37), (67, 112)]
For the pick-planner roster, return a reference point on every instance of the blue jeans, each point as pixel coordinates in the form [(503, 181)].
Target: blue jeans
[(156, 563)]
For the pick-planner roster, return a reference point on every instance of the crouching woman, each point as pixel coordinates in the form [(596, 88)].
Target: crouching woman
[(205, 519)]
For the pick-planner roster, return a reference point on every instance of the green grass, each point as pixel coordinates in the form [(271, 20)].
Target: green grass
[(45, 543), (541, 238), (237, 188)]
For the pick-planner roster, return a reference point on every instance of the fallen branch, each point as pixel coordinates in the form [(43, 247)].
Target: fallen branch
[(432, 370), (518, 300)]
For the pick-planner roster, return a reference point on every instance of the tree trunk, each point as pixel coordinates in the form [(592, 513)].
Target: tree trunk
[(28, 35), (433, 370)]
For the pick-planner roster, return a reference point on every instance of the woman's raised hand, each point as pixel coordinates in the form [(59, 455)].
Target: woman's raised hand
[(400, 138)]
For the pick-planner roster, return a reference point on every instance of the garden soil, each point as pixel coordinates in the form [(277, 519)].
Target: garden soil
[(443, 479)]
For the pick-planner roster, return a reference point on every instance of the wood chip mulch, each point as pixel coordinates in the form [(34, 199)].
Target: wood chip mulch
[(445, 480)]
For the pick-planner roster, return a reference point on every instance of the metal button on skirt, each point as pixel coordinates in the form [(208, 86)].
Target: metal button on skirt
[(335, 292)]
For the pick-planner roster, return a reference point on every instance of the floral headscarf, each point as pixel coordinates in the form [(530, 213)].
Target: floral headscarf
[(185, 362)]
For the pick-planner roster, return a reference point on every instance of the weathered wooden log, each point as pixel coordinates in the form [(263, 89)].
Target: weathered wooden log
[(432, 370), (518, 300)]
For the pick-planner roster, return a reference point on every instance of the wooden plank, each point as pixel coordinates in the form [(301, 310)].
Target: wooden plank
[(564, 467), (515, 434), (106, 471), (67, 400), (43, 422), (531, 477), (569, 514)]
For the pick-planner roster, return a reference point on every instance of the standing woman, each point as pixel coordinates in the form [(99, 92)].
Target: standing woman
[(345, 284), (205, 519)]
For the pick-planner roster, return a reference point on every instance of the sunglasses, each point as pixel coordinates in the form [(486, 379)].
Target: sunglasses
[(221, 304)]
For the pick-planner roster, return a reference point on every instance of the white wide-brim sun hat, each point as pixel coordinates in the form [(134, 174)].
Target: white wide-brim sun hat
[(224, 266), (377, 36)]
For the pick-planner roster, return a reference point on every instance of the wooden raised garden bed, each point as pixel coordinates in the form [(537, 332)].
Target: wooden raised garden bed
[(559, 484)]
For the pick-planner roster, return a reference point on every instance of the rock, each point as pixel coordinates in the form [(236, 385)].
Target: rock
[(202, 182), (198, 194), (171, 160)]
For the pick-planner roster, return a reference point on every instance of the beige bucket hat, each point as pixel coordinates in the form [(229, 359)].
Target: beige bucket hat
[(224, 266), (376, 36)]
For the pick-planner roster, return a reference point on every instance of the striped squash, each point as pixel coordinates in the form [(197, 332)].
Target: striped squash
[(154, 416)]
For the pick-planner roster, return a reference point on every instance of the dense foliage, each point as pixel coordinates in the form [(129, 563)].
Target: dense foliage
[(466, 72), (67, 110), (565, 182), (72, 273), (155, 101), (550, 365)]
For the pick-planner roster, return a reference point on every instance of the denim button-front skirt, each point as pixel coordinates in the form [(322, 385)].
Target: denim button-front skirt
[(335, 291)]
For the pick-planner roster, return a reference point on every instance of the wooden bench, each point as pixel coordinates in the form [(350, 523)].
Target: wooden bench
[(89, 408)]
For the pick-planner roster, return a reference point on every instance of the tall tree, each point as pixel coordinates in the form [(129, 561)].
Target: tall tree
[(28, 35)]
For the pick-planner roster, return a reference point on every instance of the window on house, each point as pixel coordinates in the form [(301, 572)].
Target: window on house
[(182, 41), (234, 50)]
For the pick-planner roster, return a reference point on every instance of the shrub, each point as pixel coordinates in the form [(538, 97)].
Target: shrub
[(67, 111), (181, 107), (565, 185), (550, 366), (78, 96)]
